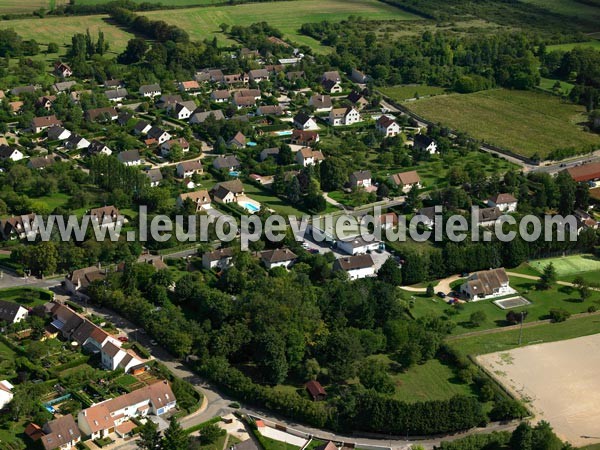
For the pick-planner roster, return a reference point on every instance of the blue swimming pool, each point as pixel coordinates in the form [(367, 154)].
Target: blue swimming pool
[(251, 144), (234, 173), (251, 207), (284, 133)]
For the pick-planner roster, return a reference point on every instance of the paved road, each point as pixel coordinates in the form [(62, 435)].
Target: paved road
[(8, 279)]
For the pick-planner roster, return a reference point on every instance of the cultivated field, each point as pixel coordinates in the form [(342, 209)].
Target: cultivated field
[(569, 8), (202, 23), (164, 2), (569, 265), (559, 381), (407, 91), (61, 29), (566, 47), (523, 121), (27, 6)]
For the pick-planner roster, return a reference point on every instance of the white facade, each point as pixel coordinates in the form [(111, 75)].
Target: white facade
[(6, 394), (355, 274), (357, 246)]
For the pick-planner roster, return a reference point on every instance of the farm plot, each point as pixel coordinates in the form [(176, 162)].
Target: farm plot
[(27, 6), (202, 23), (559, 381), (525, 122)]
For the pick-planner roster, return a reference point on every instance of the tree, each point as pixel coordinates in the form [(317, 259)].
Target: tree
[(210, 433), (548, 277), (559, 315), (175, 438), (52, 48), (293, 191), (390, 272), (477, 318), (522, 437), (373, 375), (149, 436), (507, 409), (583, 288), (429, 291)]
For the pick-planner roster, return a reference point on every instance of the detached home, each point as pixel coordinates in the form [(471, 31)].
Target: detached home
[(39, 124), (102, 114), (228, 163), (303, 121), (220, 96), (130, 158), (259, 75), (406, 180), (344, 116), (487, 283), (308, 157), (106, 216), (10, 153), (186, 86), (61, 433), (165, 148), (11, 312), (358, 266), (304, 137), (62, 70), (154, 176), (424, 143), (387, 126), (360, 179), (321, 103), (6, 393), (188, 169), (220, 258), (200, 117), (150, 90), (357, 245), (116, 95), (239, 140), (18, 227), (504, 202), (201, 199), (159, 134), (57, 133), (228, 191), (279, 257), (487, 217)]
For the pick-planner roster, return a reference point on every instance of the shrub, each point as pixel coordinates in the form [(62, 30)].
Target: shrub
[(559, 315)]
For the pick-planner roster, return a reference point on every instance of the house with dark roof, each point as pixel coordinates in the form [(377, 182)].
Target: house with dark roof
[(201, 116), (387, 126), (40, 162), (358, 100), (61, 433), (360, 179), (166, 147), (303, 121), (321, 102), (130, 158), (270, 110), (116, 95), (272, 152), (11, 153), (487, 217), (142, 127), (154, 176), (159, 134), (228, 191), (188, 169), (18, 227), (228, 163), (62, 70), (220, 258), (63, 86), (76, 142), (58, 133), (150, 90), (106, 216), (98, 148), (78, 281), (424, 143), (39, 124), (306, 138), (239, 140), (486, 284), (279, 257), (357, 266), (106, 114), (331, 86), (220, 96), (11, 312)]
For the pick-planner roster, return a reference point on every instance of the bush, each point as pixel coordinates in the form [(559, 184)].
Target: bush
[(592, 309), (559, 315)]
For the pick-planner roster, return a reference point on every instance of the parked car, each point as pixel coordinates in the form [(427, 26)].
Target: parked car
[(123, 338), (441, 295)]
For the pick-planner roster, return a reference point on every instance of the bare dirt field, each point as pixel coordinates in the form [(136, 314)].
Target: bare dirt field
[(559, 381)]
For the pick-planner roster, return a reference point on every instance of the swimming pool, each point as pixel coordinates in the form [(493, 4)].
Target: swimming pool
[(251, 207), (251, 144), (284, 133), (234, 173)]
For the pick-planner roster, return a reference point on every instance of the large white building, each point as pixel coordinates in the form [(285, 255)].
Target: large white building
[(358, 266), (486, 284)]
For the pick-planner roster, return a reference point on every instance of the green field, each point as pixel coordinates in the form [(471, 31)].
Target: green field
[(27, 6), (61, 29), (168, 2), (202, 23), (569, 8), (566, 47), (430, 381), (569, 265), (525, 122), (548, 332), (27, 297), (407, 91), (547, 84)]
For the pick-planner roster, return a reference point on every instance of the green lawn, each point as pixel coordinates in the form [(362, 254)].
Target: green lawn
[(28, 297), (548, 332), (569, 265), (169, 2), (203, 23), (48, 203), (269, 200), (271, 444), (7, 357), (406, 91), (525, 122), (569, 8), (27, 6), (430, 381), (547, 84)]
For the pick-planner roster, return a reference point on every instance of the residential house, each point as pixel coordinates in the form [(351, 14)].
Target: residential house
[(130, 158), (159, 134), (188, 169), (18, 227), (358, 100), (116, 95), (182, 110), (98, 148), (58, 133), (23, 90), (305, 138), (45, 102), (62, 70), (321, 103), (485, 284), (303, 121), (165, 147), (40, 162), (332, 87), (239, 140), (63, 86), (220, 96), (360, 179), (187, 86), (105, 114), (586, 173), (315, 390), (227, 191), (106, 417), (268, 153), (387, 126), (61, 433), (39, 124), (114, 84), (6, 393), (270, 110), (200, 198), (428, 216), (155, 177), (357, 245), (487, 217), (106, 216), (333, 75), (10, 153), (258, 75), (243, 102), (11, 312), (166, 100), (15, 107), (77, 142), (424, 143), (344, 116), (406, 180), (279, 257), (79, 280), (124, 118), (228, 163), (308, 157), (200, 117), (294, 75), (142, 127), (220, 258), (212, 75), (150, 90), (357, 266), (358, 77), (235, 78), (505, 202), (584, 221), (387, 221)]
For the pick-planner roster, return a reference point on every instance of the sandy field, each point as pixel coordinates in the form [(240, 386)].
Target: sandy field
[(559, 381)]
